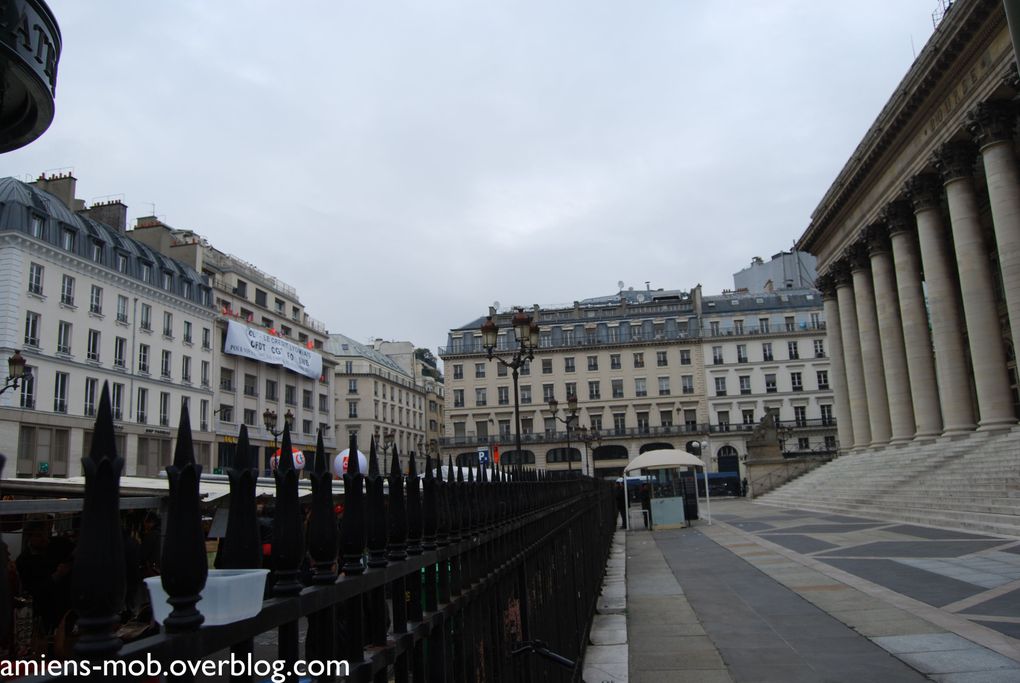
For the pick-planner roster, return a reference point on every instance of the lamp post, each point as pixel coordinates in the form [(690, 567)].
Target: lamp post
[(526, 336), (570, 414), (269, 420), (589, 436), (16, 372)]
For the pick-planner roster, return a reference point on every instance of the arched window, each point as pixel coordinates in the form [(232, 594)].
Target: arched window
[(654, 446), (615, 452)]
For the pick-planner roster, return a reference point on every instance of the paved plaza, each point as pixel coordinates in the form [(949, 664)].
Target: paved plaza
[(765, 594)]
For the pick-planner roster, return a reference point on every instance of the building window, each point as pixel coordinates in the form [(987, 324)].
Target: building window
[(617, 385), (823, 379), (593, 362), (187, 331), (661, 359), (64, 337), (791, 347), (35, 279), (639, 359), (790, 323), (143, 358), (614, 361), (666, 418), (250, 417), (766, 351), (720, 386), (745, 384), (146, 272), (685, 357), (713, 328), (121, 263), (35, 227), (120, 352), (91, 391), (763, 325), (67, 239), (479, 370), (819, 348), (186, 369), (164, 365), (226, 413), (164, 408), (206, 338), (741, 353), (92, 349), (800, 416), (747, 416), (503, 394), (480, 399), (168, 280), (96, 300), (323, 403), (352, 386), (290, 394), (117, 401), (143, 397), (306, 399), (687, 384), (642, 422), (67, 290), (60, 392), (717, 358), (458, 371), (260, 298), (122, 308), (738, 327), (619, 423), (568, 364), (548, 392), (525, 390), (501, 370), (664, 386), (31, 329), (28, 388), (168, 324), (547, 366), (796, 383), (826, 411), (146, 320), (594, 393), (205, 373), (640, 387), (458, 398), (723, 419), (770, 384)]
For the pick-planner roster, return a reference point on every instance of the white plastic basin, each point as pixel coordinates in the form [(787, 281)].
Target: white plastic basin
[(229, 595)]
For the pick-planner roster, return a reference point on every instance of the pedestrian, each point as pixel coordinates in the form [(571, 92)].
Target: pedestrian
[(743, 487), (646, 504), (621, 505)]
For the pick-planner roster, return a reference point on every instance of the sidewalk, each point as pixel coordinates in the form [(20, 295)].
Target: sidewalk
[(789, 595)]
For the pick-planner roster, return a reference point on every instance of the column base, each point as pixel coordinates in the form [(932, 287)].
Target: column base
[(922, 437), (999, 425), (958, 432), (900, 441)]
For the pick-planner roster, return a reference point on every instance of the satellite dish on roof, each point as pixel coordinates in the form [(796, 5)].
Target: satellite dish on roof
[(495, 304), (620, 284), (640, 298)]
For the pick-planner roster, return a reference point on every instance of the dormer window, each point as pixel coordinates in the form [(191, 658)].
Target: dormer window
[(35, 227), (97, 251), (121, 263), (168, 280), (146, 271), (67, 239)]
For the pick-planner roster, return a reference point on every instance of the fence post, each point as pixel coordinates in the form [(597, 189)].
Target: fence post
[(98, 580), (352, 548), (396, 551), (288, 543), (414, 549), (322, 548)]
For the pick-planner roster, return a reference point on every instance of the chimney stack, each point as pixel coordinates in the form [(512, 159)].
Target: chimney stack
[(62, 186), (112, 213)]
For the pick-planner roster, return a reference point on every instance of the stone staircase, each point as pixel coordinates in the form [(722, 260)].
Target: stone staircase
[(969, 483)]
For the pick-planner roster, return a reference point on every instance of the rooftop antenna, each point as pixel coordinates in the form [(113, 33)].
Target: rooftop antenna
[(620, 285)]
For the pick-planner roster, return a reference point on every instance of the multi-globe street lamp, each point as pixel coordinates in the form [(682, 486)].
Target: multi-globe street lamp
[(569, 416), (269, 420), (590, 435), (526, 341), (16, 372)]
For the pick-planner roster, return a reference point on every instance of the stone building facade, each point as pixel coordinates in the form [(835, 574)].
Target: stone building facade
[(918, 246)]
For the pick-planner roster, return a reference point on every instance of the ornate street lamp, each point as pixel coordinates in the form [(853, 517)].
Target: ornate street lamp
[(16, 372), (526, 336), (590, 435), (269, 420), (570, 414)]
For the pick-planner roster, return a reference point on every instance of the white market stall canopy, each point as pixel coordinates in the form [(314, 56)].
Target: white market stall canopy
[(663, 458)]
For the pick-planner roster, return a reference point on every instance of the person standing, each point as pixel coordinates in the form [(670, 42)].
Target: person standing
[(621, 505)]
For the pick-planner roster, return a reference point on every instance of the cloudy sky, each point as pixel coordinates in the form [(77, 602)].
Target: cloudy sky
[(405, 164)]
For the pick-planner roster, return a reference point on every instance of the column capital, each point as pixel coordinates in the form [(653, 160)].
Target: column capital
[(955, 160), (899, 217), (876, 237), (840, 272), (992, 121), (924, 191), (857, 255), (826, 284), (1011, 79)]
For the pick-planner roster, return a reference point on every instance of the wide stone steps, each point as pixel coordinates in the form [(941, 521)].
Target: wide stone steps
[(968, 483)]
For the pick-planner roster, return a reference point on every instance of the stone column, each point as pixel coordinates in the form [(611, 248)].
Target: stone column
[(916, 337), (854, 365), (943, 307), (871, 346), (992, 125), (988, 357), (837, 370), (890, 332)]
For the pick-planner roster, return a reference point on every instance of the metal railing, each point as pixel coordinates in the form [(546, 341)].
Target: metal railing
[(465, 569)]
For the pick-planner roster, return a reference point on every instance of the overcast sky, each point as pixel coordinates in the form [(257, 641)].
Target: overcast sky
[(406, 164)]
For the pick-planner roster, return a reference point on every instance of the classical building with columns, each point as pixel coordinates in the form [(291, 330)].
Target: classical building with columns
[(918, 247)]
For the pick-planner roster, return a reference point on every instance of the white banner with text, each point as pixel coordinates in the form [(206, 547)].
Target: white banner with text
[(262, 346)]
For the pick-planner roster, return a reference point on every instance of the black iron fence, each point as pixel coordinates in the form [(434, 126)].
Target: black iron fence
[(421, 579)]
